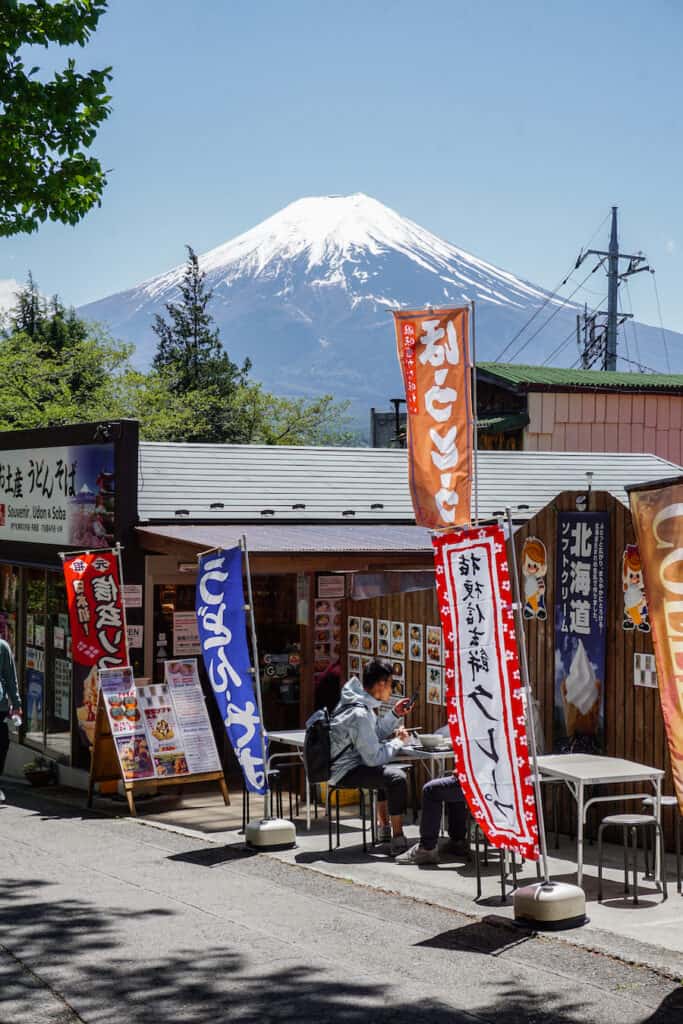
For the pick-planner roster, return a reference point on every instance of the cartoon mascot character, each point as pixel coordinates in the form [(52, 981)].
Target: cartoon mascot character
[(534, 568), (635, 602)]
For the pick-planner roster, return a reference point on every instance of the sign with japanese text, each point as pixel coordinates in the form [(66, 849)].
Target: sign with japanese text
[(220, 608), (160, 730), (580, 631), (484, 691), (58, 495), (98, 628), (433, 351), (657, 514)]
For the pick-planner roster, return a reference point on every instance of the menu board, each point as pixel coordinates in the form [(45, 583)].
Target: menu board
[(187, 699), (328, 631), (161, 730)]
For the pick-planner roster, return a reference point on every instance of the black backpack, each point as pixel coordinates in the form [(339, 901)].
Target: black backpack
[(318, 759)]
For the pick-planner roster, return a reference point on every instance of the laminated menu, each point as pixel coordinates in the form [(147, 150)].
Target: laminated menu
[(160, 730)]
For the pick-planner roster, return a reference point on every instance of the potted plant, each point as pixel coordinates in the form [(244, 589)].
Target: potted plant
[(39, 772)]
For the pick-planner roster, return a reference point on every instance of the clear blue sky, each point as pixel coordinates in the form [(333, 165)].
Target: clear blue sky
[(507, 128)]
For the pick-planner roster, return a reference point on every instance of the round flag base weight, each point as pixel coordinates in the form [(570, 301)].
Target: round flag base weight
[(270, 834), (550, 906)]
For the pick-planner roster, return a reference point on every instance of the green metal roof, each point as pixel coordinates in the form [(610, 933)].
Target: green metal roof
[(502, 424), (534, 377)]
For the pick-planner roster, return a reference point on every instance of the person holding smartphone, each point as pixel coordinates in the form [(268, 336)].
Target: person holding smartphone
[(362, 745)]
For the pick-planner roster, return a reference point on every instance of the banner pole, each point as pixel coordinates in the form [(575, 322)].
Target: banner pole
[(531, 730), (257, 675), (118, 550), (475, 421)]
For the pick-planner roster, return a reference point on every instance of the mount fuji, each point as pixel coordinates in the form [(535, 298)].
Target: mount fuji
[(307, 295)]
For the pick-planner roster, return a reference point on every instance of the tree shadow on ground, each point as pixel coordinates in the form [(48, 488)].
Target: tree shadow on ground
[(82, 953)]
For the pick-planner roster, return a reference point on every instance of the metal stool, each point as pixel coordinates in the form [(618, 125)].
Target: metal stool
[(478, 835), (361, 803), (671, 801), (630, 823)]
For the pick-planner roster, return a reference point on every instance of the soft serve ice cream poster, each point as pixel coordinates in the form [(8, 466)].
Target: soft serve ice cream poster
[(580, 631)]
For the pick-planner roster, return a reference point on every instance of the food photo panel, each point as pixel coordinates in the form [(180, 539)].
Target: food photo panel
[(355, 666), (367, 636), (434, 685), (398, 640), (415, 641), (433, 644)]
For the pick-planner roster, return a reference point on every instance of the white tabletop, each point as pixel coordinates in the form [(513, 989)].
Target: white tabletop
[(594, 768), (292, 737)]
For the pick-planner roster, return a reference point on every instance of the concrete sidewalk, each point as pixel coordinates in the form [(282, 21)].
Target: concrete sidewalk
[(650, 933)]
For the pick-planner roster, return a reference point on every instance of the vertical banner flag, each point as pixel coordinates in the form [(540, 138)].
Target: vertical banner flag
[(98, 628), (484, 692), (580, 631), (219, 604), (657, 512), (433, 350)]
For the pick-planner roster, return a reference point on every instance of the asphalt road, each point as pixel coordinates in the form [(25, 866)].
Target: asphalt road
[(109, 920)]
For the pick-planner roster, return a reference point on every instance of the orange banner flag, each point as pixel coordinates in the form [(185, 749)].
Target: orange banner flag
[(657, 512), (433, 350)]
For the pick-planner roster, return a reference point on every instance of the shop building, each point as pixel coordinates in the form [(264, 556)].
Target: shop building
[(331, 539)]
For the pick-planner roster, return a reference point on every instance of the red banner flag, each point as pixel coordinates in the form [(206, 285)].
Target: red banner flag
[(657, 511), (484, 691), (98, 625), (433, 350)]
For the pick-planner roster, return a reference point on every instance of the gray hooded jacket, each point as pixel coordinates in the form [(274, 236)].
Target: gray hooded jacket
[(360, 728)]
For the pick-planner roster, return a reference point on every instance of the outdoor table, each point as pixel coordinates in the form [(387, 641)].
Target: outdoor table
[(292, 738), (434, 759), (581, 770)]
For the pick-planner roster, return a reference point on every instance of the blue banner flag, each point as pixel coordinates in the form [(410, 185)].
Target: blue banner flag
[(220, 607)]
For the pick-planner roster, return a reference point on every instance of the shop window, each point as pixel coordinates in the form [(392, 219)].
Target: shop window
[(58, 665), (9, 605), (34, 657)]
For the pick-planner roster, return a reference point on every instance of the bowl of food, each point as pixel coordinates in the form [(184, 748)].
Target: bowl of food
[(432, 740)]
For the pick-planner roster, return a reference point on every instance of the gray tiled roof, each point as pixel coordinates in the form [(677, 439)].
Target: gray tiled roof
[(289, 538), (247, 479)]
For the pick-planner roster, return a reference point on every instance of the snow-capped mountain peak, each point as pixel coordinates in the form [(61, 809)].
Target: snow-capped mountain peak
[(328, 231), (306, 295)]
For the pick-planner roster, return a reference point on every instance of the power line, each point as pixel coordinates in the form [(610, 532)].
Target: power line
[(554, 313), (661, 323), (552, 295), (633, 323)]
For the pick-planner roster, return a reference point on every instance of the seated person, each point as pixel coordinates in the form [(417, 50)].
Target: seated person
[(434, 795), (361, 747)]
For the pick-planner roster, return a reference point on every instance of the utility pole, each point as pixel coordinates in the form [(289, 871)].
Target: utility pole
[(604, 343)]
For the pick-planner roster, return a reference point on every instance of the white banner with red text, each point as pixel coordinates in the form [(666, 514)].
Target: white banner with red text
[(484, 692)]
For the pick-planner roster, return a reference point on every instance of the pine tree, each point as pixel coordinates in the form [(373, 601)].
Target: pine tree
[(189, 346)]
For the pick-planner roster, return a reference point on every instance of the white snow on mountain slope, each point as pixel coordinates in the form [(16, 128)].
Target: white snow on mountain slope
[(307, 293), (328, 231)]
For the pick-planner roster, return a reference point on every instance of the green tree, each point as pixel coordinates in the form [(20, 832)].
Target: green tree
[(46, 127), (189, 343), (56, 368), (193, 365)]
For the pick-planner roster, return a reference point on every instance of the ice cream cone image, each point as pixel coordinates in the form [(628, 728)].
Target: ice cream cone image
[(581, 696)]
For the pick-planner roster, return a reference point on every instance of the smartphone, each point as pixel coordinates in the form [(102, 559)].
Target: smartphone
[(413, 700)]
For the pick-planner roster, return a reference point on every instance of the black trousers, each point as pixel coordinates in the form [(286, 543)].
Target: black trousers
[(4, 740), (388, 779)]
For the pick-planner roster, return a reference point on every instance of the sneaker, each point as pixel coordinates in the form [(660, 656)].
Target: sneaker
[(384, 834), (2, 797), (459, 848), (418, 855), (399, 844)]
